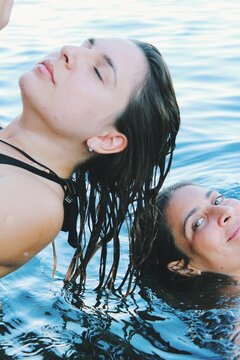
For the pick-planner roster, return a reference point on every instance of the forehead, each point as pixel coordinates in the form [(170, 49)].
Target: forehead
[(120, 47), (184, 200), (127, 56), (190, 193)]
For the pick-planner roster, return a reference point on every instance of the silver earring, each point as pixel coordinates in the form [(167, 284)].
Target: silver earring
[(90, 148)]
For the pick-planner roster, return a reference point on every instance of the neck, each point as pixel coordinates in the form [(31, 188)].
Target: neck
[(54, 151)]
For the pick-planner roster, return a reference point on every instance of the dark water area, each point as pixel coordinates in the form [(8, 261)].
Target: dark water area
[(200, 41)]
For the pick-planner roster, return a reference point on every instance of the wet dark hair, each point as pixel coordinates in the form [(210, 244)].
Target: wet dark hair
[(117, 188), (164, 249)]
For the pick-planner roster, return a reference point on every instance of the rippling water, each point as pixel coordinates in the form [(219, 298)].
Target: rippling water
[(200, 41)]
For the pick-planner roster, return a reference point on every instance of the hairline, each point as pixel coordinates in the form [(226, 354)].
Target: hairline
[(172, 189)]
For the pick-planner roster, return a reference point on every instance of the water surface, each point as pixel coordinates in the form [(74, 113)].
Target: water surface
[(200, 41)]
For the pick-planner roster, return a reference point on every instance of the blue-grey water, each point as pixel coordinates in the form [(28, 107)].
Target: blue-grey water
[(200, 41)]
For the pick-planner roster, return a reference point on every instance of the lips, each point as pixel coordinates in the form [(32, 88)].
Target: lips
[(235, 233), (47, 68)]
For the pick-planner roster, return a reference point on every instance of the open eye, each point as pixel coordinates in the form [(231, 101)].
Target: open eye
[(197, 224), (98, 73), (218, 200)]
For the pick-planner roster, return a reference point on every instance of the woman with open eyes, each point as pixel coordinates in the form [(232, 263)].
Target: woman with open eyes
[(198, 232), (90, 151)]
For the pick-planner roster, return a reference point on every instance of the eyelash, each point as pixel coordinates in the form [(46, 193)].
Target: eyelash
[(98, 73), (219, 196), (196, 225), (216, 203)]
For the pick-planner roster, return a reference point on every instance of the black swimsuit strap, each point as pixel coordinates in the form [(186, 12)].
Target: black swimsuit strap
[(8, 160), (27, 156), (68, 186)]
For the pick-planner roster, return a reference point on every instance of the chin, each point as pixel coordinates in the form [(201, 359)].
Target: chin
[(31, 90), (26, 83)]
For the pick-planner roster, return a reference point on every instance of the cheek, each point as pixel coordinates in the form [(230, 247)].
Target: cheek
[(94, 97), (206, 240), (77, 106), (236, 205), (91, 105), (80, 93)]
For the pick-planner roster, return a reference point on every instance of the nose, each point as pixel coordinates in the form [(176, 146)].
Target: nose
[(69, 54), (224, 214)]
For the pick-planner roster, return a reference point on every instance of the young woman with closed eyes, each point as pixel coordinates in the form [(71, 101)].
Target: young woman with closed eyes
[(93, 144)]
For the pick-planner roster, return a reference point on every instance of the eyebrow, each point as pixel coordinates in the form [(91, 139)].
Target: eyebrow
[(192, 212), (108, 61)]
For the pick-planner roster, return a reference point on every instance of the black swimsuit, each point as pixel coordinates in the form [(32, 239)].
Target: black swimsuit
[(68, 186)]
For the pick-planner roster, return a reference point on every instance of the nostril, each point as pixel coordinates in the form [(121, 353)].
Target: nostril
[(66, 58), (227, 218)]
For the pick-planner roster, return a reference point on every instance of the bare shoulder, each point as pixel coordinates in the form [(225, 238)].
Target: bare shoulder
[(31, 216)]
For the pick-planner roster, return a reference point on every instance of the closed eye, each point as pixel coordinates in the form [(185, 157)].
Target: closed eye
[(98, 73)]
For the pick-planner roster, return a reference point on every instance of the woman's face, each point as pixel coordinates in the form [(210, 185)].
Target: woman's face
[(206, 227), (80, 90)]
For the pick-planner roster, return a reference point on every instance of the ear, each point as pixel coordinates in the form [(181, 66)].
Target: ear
[(180, 268), (111, 143)]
